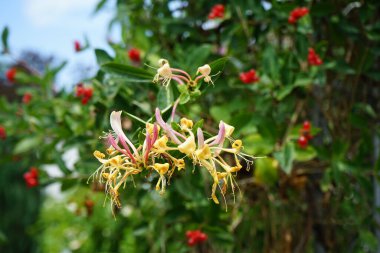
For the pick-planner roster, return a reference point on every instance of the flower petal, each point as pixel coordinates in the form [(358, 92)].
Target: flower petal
[(115, 120)]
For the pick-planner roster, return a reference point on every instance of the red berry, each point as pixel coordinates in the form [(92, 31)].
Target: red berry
[(296, 14), (11, 74), (191, 241), (217, 11), (80, 90), (134, 55), (292, 20), (26, 98), (306, 125), (77, 46), (189, 233), (3, 134), (31, 182), (249, 76), (303, 141), (313, 58), (33, 171), (211, 15), (218, 8), (202, 237), (308, 136), (88, 93), (31, 177), (85, 100)]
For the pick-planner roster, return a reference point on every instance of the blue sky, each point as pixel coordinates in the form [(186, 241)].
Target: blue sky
[(51, 26)]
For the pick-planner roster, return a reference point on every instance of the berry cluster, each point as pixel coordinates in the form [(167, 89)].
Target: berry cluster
[(249, 76), (77, 46), (134, 55), (31, 177), (3, 134), (313, 58), (84, 93), (27, 98), (217, 11), (11, 74), (296, 14), (305, 136), (195, 237)]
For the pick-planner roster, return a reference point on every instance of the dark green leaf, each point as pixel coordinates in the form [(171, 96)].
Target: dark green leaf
[(218, 65), (286, 157), (126, 70), (4, 40), (102, 57)]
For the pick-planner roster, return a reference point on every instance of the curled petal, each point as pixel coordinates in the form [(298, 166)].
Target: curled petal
[(169, 131), (174, 108), (126, 152), (155, 134), (115, 120), (201, 138), (221, 135)]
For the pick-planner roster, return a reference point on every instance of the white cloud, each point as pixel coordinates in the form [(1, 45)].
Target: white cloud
[(45, 13)]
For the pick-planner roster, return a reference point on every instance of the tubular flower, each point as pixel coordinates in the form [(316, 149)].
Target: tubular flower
[(165, 151), (165, 74)]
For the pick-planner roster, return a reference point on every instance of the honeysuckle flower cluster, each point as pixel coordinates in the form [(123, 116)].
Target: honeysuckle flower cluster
[(165, 74), (166, 151)]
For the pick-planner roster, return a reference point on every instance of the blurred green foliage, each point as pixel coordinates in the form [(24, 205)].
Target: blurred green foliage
[(317, 199)]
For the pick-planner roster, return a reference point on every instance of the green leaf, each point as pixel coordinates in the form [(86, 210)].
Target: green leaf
[(286, 157), (27, 144), (256, 144), (305, 154), (102, 57), (198, 56), (270, 62), (285, 91), (185, 96), (165, 97), (197, 125), (266, 171), (218, 65), (99, 6), (126, 70), (4, 39), (221, 113), (176, 126)]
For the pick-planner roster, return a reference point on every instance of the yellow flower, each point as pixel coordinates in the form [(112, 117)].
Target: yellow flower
[(237, 145), (160, 144), (203, 153), (161, 168), (186, 124), (179, 163), (188, 146)]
